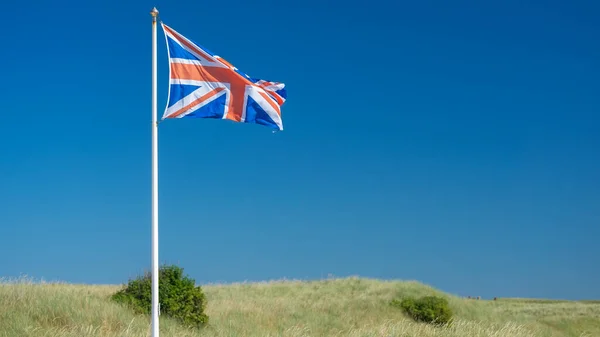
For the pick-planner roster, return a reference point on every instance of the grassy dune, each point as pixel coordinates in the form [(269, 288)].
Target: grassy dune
[(337, 307)]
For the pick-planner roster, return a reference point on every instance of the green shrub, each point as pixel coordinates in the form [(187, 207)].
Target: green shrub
[(429, 309), (179, 297)]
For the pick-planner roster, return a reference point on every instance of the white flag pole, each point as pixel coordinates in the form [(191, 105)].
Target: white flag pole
[(155, 303)]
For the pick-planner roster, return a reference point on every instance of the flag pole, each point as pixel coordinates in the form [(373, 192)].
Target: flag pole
[(155, 303)]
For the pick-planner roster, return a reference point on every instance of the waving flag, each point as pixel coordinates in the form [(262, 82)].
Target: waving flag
[(204, 85)]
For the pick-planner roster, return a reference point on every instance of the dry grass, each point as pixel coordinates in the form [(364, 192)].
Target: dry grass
[(338, 307)]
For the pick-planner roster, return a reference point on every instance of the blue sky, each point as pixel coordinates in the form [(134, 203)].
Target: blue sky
[(451, 143)]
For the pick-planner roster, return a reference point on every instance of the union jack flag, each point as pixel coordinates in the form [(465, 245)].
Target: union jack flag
[(204, 85)]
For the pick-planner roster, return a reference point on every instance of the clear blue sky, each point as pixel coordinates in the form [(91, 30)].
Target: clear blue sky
[(454, 144)]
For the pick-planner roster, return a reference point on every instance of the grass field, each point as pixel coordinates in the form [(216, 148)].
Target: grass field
[(352, 307)]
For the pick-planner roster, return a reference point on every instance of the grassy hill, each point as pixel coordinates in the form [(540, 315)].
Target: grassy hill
[(352, 307)]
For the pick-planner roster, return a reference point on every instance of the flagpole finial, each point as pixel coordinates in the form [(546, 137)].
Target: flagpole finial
[(154, 12)]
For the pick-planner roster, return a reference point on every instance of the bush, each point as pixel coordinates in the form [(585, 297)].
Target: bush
[(178, 296), (428, 309)]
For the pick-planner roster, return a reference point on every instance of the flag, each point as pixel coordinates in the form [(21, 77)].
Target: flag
[(204, 85)]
